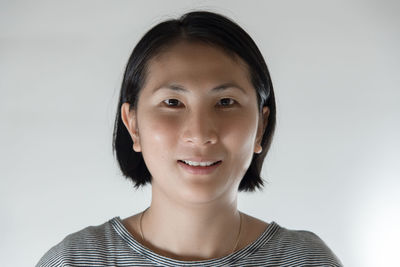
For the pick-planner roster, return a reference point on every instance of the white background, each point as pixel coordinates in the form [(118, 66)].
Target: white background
[(334, 164)]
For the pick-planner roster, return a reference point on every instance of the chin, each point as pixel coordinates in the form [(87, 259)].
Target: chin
[(201, 193)]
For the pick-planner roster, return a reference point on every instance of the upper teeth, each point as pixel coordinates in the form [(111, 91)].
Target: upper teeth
[(194, 163)]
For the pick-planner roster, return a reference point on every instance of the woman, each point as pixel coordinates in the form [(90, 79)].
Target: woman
[(195, 119)]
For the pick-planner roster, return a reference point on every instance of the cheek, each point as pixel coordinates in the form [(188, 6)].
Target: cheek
[(157, 139), (239, 134), (238, 140), (157, 132)]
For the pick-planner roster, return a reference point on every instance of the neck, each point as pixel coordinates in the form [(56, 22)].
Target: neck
[(191, 232)]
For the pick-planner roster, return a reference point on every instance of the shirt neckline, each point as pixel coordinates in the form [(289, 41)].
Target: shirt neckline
[(268, 233)]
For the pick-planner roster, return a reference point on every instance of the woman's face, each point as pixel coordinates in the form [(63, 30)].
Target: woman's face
[(198, 105)]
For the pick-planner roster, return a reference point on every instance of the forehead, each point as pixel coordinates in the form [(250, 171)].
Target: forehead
[(195, 63)]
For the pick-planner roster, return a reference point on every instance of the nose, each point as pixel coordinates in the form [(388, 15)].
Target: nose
[(200, 128)]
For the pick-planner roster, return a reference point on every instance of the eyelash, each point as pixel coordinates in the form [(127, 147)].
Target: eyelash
[(232, 100)]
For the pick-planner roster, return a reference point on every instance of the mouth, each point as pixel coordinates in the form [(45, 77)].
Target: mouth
[(199, 163), (205, 167)]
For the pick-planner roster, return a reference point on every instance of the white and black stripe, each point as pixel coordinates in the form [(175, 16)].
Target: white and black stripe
[(110, 244)]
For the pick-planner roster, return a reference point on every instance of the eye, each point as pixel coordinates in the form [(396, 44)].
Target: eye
[(172, 102), (227, 102)]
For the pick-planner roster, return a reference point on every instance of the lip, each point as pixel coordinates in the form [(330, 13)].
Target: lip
[(199, 169), (201, 159)]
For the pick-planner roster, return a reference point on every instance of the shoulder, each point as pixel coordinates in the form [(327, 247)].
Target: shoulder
[(87, 243), (300, 246)]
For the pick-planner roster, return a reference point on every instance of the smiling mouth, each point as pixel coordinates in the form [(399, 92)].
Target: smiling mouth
[(199, 170), (199, 164)]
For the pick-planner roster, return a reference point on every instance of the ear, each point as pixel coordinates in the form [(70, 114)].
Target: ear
[(130, 121), (262, 125)]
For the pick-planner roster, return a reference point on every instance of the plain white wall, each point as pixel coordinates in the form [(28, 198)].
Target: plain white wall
[(334, 164)]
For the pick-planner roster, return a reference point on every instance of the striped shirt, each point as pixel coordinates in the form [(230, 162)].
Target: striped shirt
[(110, 244)]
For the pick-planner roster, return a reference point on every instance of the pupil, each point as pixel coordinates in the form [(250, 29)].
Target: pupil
[(225, 101), (172, 102)]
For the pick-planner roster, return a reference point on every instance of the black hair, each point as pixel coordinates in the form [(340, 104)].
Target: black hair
[(197, 26)]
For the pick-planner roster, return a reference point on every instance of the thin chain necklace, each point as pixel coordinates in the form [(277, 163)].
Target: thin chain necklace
[(236, 242)]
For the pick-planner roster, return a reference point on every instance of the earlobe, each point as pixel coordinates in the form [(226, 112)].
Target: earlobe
[(129, 119), (262, 125), (258, 149), (136, 143)]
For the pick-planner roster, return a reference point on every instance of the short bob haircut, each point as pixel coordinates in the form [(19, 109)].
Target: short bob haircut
[(197, 26)]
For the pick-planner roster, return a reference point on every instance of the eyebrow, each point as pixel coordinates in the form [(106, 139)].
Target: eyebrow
[(179, 88)]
